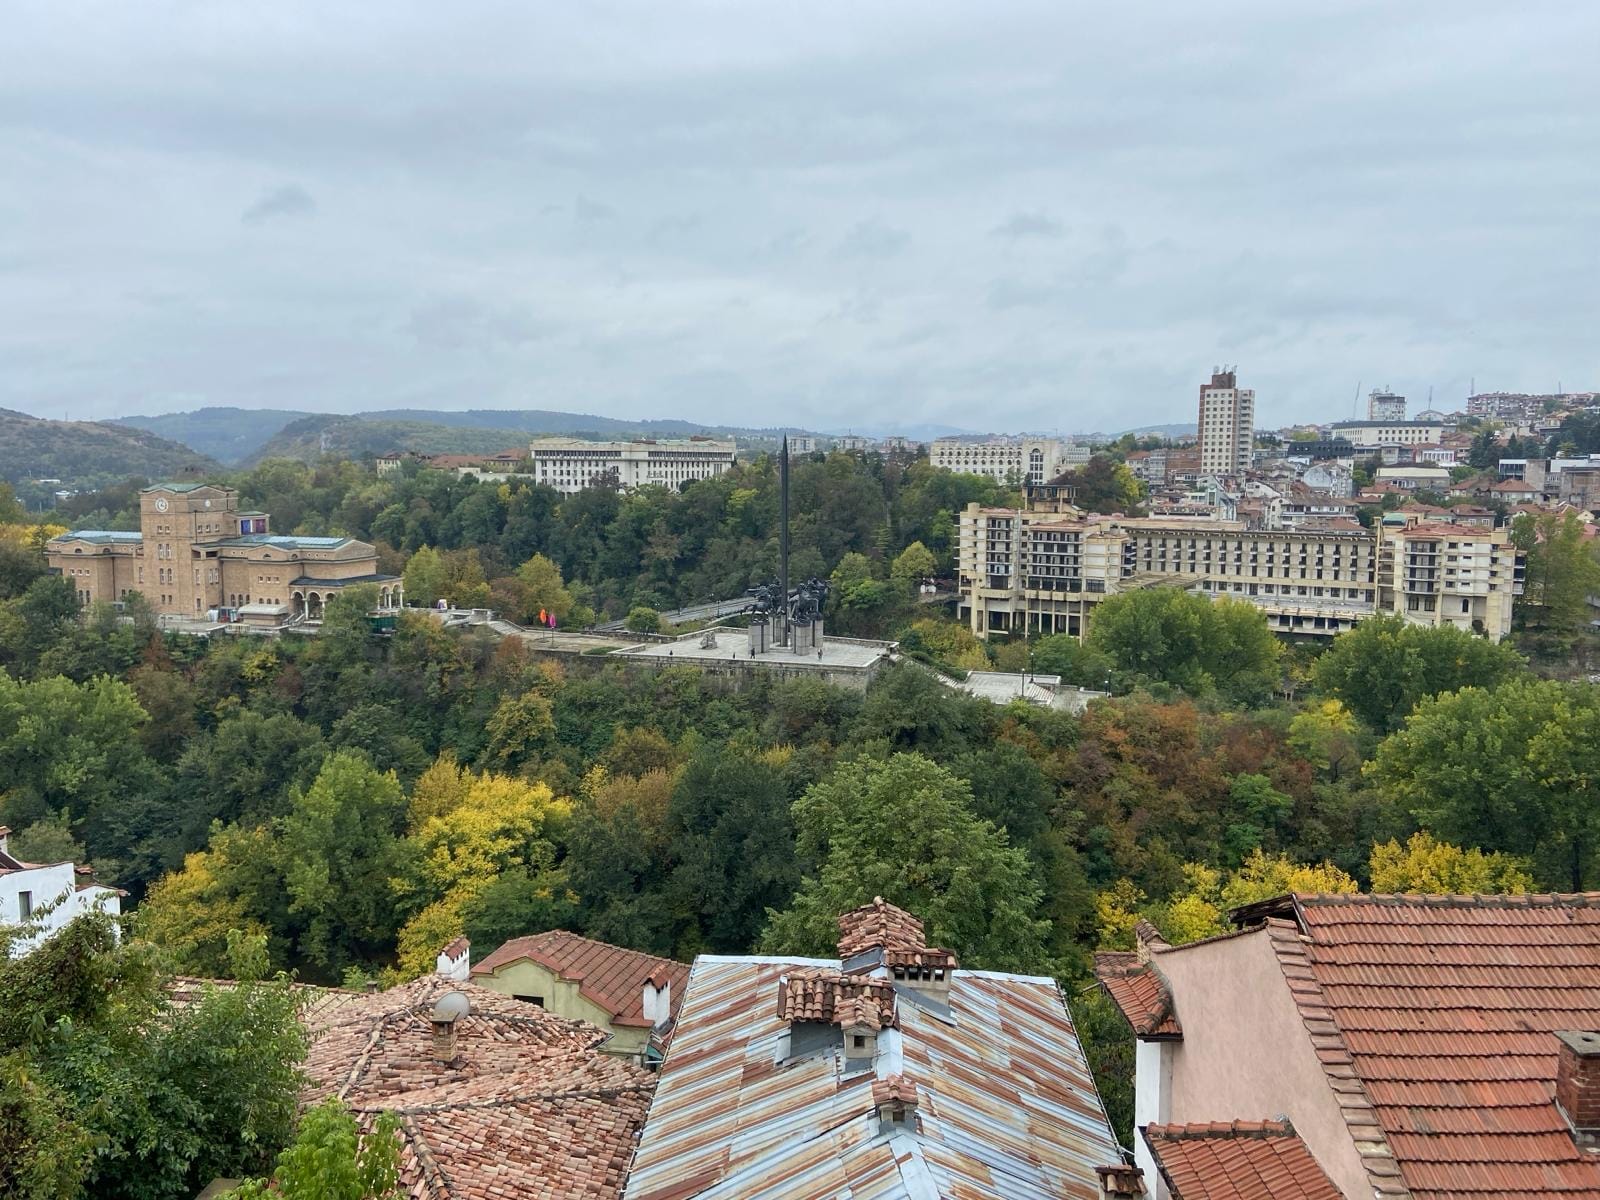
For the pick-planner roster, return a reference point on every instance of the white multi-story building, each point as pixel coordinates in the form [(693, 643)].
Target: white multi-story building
[(1008, 460), (850, 441), (802, 443), (1227, 425), (42, 897), (571, 464), (1044, 569), (1373, 435), (1385, 406)]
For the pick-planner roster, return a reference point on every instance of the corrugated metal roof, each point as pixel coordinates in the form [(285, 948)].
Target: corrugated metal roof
[(1006, 1106)]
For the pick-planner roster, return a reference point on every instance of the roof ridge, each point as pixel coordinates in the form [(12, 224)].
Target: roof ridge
[(1338, 1064), (1267, 1127), (640, 1085), (1452, 899)]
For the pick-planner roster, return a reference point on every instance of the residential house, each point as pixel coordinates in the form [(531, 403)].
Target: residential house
[(495, 1097), (1412, 1047), (42, 897), (629, 994), (885, 1072)]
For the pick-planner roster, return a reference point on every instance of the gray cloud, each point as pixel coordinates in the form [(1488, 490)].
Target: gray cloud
[(1023, 216), (873, 239), (288, 200), (1028, 224)]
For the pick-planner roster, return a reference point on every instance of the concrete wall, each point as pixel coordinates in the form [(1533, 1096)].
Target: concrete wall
[(53, 887), (1246, 1055)]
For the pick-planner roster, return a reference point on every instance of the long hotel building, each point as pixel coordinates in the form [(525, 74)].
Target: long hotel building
[(1044, 568), (571, 464)]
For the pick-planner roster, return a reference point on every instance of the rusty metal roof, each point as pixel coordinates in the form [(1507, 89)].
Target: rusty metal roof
[(1004, 1105)]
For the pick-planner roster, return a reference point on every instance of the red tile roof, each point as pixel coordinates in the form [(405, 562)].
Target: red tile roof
[(1434, 1018), (528, 1107), (1238, 1160), (1140, 992), (834, 998), (878, 925), (608, 976)]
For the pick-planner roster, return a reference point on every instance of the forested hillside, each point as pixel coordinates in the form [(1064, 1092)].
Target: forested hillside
[(309, 438), (229, 435), (85, 454), (238, 435)]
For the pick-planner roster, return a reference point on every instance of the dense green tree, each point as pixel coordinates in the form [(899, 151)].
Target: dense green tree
[(1383, 667), (426, 579), (1512, 770), (331, 1159), (1191, 641), (1561, 572), (339, 848), (93, 1053), (1105, 486), (904, 829), (74, 748), (731, 841)]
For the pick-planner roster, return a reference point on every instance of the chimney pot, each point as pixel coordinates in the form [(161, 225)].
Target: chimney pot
[(1121, 1182), (1578, 1084)]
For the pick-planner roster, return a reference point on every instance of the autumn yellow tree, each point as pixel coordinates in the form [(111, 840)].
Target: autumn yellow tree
[(466, 830), (1425, 864)]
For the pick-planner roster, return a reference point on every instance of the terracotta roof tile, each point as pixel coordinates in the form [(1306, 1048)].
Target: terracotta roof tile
[(834, 998), (1443, 1009), (1140, 992), (611, 977), (878, 925), (1238, 1160), (529, 1106)]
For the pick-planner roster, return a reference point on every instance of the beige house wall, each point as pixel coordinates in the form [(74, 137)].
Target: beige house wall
[(1246, 1055), (562, 997)]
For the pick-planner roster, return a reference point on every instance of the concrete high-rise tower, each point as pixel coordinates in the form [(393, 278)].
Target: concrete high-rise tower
[(1385, 406), (1227, 424)]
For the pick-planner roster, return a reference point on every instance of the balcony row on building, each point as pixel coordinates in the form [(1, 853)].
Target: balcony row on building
[(1043, 568)]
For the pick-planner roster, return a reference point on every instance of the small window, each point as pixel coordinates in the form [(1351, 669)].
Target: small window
[(858, 1041), (24, 905), (539, 1000)]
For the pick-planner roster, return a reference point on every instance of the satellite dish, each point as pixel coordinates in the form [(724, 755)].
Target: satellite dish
[(452, 1006)]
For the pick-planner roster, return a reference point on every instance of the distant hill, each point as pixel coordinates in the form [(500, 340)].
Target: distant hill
[(229, 435), (241, 435), (539, 420), (358, 438), (84, 454)]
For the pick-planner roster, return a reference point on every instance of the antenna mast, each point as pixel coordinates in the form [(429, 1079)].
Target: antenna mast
[(783, 540)]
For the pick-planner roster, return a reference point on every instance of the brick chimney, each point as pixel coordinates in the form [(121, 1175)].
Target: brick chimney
[(883, 940), (1578, 1085), (444, 1039), (1121, 1182)]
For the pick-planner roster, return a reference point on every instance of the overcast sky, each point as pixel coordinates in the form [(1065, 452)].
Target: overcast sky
[(983, 215)]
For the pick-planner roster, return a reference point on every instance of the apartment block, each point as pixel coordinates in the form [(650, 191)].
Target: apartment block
[(1385, 406), (1371, 435), (571, 464), (1227, 425), (1008, 460), (1044, 571)]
